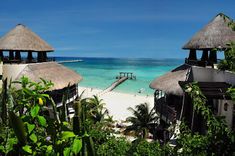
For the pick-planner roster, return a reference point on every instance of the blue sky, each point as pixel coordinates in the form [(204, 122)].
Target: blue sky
[(114, 28)]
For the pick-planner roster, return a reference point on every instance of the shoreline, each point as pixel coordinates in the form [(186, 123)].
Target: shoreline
[(129, 93), (117, 103)]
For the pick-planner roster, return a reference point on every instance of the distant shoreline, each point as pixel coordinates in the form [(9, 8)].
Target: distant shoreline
[(129, 58), (68, 61)]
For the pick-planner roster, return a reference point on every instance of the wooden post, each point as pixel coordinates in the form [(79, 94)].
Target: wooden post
[(1, 55), (30, 56), (39, 57), (182, 108), (11, 55), (204, 55), (213, 56), (192, 122), (192, 55), (44, 55), (18, 56)]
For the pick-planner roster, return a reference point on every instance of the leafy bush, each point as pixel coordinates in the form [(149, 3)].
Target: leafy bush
[(114, 146), (229, 62), (144, 148), (142, 121), (25, 130), (219, 139)]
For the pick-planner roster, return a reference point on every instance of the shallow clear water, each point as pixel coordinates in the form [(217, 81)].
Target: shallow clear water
[(101, 72)]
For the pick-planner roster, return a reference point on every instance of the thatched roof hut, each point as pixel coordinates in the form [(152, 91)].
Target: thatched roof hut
[(56, 73), (22, 39), (216, 34), (169, 81)]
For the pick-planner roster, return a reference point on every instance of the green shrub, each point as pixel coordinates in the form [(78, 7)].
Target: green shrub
[(229, 62), (144, 148), (115, 147)]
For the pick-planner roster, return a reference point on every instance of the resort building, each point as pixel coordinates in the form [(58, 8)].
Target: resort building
[(24, 53), (173, 104), (214, 37)]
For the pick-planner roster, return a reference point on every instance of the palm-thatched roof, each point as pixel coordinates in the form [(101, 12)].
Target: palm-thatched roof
[(216, 34), (51, 71), (22, 39), (169, 82)]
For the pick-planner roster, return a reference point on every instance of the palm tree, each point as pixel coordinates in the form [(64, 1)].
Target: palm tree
[(97, 110), (141, 120)]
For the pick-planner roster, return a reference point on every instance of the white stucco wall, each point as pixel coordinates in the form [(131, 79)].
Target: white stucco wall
[(227, 114), (212, 75), (215, 75)]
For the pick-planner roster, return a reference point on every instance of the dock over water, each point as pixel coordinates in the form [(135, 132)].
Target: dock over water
[(122, 77), (129, 75)]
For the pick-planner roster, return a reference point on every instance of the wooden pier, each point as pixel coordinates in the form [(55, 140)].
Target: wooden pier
[(122, 77), (129, 75)]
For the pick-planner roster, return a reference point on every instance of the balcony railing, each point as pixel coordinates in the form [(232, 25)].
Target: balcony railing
[(25, 60), (201, 63), (166, 112), (196, 62), (70, 94)]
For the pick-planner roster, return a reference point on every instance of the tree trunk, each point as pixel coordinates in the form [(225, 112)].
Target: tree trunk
[(145, 133)]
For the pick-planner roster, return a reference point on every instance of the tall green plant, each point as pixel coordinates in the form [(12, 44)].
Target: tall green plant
[(97, 110), (4, 101), (32, 128), (229, 62), (7, 137), (142, 119), (81, 126), (219, 139)]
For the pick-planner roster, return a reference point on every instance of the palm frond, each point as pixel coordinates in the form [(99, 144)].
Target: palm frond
[(142, 119)]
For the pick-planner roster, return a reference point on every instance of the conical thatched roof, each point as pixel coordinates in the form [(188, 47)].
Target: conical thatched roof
[(169, 82), (22, 39), (216, 34), (56, 73)]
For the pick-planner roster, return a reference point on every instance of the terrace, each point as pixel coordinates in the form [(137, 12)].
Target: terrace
[(208, 58), (16, 57), (165, 108)]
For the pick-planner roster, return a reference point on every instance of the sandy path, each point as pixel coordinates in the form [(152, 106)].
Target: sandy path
[(117, 103)]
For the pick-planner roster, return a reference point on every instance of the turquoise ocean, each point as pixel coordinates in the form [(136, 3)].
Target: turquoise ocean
[(101, 72)]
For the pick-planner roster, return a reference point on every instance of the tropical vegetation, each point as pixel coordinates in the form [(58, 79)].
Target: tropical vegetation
[(28, 129), (228, 63), (218, 140), (31, 124), (142, 121)]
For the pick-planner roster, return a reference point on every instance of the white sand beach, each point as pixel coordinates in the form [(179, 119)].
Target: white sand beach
[(117, 103)]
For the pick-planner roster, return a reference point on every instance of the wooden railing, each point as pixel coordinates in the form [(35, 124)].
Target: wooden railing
[(197, 62), (57, 96), (25, 60), (165, 111), (201, 63)]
